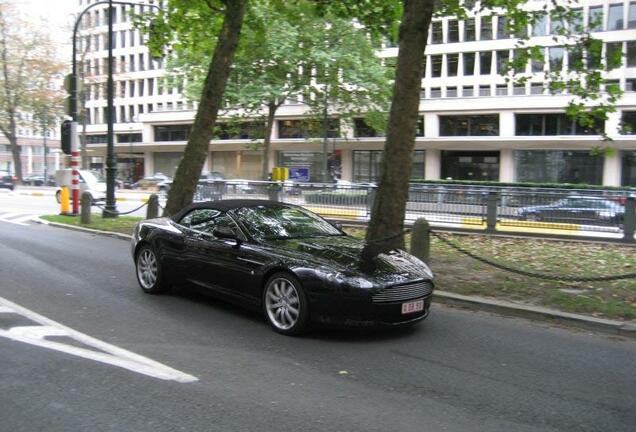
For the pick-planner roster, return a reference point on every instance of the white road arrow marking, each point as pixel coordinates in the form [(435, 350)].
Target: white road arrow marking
[(110, 354)]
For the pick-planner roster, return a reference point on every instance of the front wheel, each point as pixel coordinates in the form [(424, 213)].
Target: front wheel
[(285, 304), (149, 273)]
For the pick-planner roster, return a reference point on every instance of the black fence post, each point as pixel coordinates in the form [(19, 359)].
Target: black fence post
[(491, 211), (85, 212), (370, 199), (629, 220), (421, 240)]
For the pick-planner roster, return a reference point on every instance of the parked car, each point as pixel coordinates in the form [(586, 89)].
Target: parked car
[(7, 181), (294, 266), (157, 181), (576, 209), (90, 181)]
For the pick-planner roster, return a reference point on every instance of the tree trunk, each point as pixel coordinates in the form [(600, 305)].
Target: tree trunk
[(387, 215), (196, 150), (17, 161), (267, 139)]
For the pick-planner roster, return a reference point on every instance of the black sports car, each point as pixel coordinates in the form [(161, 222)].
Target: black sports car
[(295, 266)]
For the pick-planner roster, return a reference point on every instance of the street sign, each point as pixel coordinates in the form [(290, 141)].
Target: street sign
[(299, 174)]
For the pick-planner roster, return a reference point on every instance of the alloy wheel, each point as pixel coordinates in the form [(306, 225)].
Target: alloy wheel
[(147, 269), (282, 303)]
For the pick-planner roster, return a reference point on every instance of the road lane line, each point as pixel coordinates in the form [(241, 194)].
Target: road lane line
[(111, 354)]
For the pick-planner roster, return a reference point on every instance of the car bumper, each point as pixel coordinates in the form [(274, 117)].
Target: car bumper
[(331, 310)]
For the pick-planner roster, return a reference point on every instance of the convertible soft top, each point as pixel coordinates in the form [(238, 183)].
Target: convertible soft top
[(225, 205)]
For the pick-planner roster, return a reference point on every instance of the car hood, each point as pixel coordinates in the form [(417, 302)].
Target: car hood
[(344, 255)]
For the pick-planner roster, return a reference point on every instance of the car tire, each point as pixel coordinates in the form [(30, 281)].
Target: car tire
[(285, 305), (148, 271), (533, 218), (58, 196)]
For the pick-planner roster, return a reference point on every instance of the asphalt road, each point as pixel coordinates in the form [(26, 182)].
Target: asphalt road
[(457, 371)]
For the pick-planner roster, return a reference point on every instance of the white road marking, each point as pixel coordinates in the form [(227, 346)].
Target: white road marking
[(17, 218), (111, 354)]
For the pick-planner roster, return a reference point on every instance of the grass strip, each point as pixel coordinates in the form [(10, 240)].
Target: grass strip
[(120, 224)]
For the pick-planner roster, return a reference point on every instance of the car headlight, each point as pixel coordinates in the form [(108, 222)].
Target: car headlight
[(353, 281)]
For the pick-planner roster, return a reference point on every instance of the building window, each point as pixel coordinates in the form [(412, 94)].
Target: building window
[(485, 60), (613, 55), (537, 65), (631, 54), (556, 26), (467, 91), (453, 31), (484, 90), (436, 92), (307, 128), (595, 19), (474, 125), (362, 130), (129, 138), (558, 166), (552, 124), (239, 130), (142, 63), (469, 30), (556, 59), (172, 132), (502, 89), (451, 92), (452, 61), (485, 29), (469, 63), (628, 176), (631, 16), (502, 60), (502, 30), (436, 32), (436, 66), (131, 88), (141, 87), (96, 139), (540, 26), (630, 85), (615, 17), (367, 165), (628, 123), (470, 165), (151, 86)]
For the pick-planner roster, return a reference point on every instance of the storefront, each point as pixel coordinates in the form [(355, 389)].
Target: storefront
[(307, 166), (558, 166), (629, 168), (470, 165), (367, 165), (239, 164)]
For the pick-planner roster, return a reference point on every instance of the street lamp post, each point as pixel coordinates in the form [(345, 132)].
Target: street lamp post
[(111, 160)]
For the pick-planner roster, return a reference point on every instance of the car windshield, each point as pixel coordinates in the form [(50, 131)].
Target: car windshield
[(92, 177), (281, 222)]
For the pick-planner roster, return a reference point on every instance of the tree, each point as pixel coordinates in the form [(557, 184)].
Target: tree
[(190, 21), (28, 70), (323, 61), (584, 82)]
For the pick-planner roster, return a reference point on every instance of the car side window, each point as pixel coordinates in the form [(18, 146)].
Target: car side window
[(206, 220)]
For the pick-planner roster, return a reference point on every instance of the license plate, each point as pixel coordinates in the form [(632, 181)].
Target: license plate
[(413, 306)]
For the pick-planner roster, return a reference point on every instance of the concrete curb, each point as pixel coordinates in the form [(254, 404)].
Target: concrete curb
[(86, 230), (536, 313)]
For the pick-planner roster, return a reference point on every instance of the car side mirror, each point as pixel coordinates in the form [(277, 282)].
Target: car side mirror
[(224, 232)]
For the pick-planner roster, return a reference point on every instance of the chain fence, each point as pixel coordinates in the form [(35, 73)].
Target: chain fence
[(118, 213), (545, 276)]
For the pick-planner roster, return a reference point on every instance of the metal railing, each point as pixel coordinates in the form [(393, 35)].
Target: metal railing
[(491, 208)]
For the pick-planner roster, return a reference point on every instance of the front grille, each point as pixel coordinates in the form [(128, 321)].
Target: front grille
[(403, 292)]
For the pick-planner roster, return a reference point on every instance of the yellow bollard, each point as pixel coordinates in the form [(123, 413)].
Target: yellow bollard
[(65, 201)]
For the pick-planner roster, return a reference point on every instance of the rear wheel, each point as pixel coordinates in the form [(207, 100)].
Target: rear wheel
[(149, 273), (285, 304)]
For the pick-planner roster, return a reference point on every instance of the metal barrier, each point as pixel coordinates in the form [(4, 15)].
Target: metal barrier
[(492, 208)]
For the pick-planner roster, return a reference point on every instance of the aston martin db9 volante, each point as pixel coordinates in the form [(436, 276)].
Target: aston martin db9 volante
[(284, 260)]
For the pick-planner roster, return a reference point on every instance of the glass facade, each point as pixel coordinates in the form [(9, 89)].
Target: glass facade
[(308, 128), (558, 166), (474, 125), (311, 163), (470, 165), (367, 165), (552, 124), (167, 163), (628, 123), (172, 133), (629, 168)]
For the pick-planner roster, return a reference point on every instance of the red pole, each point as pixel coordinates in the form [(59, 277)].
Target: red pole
[(75, 160)]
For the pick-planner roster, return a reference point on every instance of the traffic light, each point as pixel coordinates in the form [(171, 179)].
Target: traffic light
[(66, 136)]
